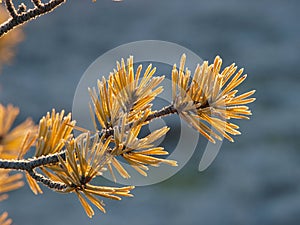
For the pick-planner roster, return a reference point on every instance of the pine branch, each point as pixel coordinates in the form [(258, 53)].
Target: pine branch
[(168, 110), (32, 163), (29, 165), (57, 186), (19, 19)]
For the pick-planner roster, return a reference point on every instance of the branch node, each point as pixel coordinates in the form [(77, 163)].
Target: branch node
[(21, 8)]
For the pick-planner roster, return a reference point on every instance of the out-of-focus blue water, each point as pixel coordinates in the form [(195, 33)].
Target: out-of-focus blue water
[(254, 181)]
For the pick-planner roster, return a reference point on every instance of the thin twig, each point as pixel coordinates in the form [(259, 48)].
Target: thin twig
[(31, 14), (46, 181), (168, 110), (21, 8), (11, 8), (163, 112)]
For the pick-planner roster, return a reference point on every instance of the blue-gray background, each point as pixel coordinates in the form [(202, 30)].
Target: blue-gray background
[(256, 180)]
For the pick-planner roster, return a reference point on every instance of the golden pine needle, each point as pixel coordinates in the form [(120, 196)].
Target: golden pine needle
[(4, 220), (126, 91), (138, 152), (9, 182), (35, 188), (54, 130), (12, 139), (88, 209)]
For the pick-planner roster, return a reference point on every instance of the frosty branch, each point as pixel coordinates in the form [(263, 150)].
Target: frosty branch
[(22, 15), (30, 164), (121, 105)]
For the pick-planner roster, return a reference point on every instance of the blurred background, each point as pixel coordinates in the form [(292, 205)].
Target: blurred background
[(255, 180)]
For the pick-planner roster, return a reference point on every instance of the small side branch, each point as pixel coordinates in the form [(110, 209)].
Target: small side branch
[(21, 8), (31, 14), (29, 166), (166, 111), (11, 8), (163, 112), (47, 182)]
